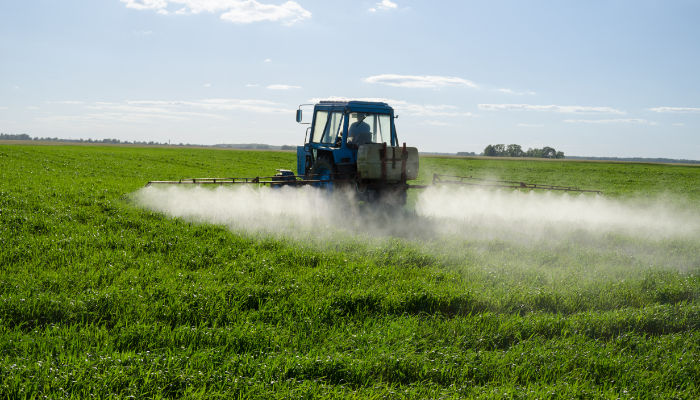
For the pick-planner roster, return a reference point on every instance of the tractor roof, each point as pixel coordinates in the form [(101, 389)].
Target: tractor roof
[(354, 105)]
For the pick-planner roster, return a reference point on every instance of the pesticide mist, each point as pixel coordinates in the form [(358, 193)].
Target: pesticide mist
[(284, 211), (472, 212), (505, 214), (452, 221)]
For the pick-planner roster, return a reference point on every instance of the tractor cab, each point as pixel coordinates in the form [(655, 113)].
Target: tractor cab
[(337, 130)]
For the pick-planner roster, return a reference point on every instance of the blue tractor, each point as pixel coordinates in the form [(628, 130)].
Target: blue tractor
[(353, 144), (349, 145)]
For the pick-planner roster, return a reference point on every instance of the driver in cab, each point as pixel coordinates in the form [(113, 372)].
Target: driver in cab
[(359, 131)]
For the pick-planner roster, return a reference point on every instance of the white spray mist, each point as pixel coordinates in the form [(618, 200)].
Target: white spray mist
[(467, 212)]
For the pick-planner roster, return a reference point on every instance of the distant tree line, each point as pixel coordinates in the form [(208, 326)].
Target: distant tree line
[(21, 136), (255, 146), (515, 150), (24, 136), (246, 146), (638, 159)]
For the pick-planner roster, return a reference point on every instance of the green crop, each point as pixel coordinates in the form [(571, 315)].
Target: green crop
[(101, 298)]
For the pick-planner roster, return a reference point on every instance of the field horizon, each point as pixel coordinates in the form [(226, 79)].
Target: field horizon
[(111, 290), (611, 159)]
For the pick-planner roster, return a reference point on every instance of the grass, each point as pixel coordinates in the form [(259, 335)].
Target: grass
[(99, 298)]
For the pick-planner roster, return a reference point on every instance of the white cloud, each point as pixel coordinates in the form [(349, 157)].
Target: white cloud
[(409, 109), (550, 108), (251, 85), (416, 81), (142, 111), (236, 11), (384, 5), (268, 60), (516, 93), (678, 124), (249, 11), (676, 109), (637, 121), (67, 102), (252, 105), (524, 125), (433, 122), (282, 87), (207, 85), (430, 110), (146, 4)]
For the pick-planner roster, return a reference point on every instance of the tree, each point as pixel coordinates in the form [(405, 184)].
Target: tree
[(500, 150), (548, 152), (514, 150), (533, 153)]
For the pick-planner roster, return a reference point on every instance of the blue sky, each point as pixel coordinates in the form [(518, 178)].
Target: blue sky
[(601, 78)]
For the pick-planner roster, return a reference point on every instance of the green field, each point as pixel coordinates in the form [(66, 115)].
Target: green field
[(102, 298)]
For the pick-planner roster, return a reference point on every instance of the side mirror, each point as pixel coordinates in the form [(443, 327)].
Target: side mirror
[(299, 115)]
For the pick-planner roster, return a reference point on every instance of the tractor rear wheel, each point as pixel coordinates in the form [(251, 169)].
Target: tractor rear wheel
[(392, 197)]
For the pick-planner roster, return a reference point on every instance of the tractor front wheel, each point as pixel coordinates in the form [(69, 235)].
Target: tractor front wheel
[(323, 171)]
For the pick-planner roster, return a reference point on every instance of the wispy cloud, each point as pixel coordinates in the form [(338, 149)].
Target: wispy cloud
[(430, 110), (515, 92), (236, 11), (637, 121), (207, 85), (433, 122), (282, 87), (676, 109), (267, 60), (419, 81), (678, 124), (524, 125), (384, 5), (142, 111), (219, 104), (410, 109), (67, 102), (550, 108)]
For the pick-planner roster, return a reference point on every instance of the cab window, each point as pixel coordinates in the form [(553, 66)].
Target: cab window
[(320, 120), (377, 125), (327, 127)]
